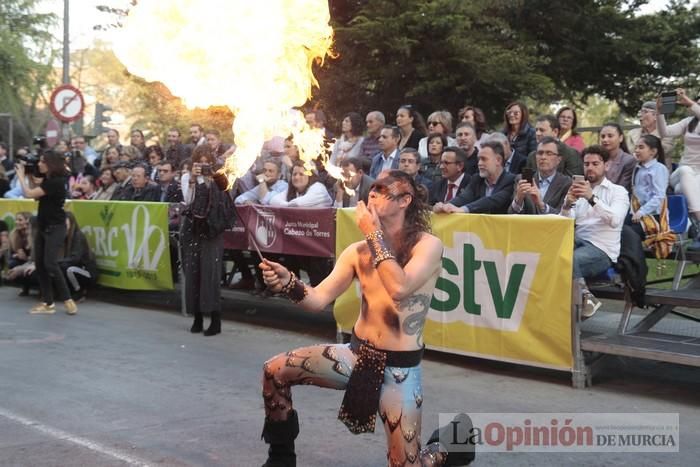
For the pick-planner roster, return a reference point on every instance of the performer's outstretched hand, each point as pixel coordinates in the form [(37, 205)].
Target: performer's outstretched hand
[(367, 218), (274, 274)]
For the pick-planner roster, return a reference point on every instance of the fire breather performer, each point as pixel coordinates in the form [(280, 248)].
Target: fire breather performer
[(397, 266)]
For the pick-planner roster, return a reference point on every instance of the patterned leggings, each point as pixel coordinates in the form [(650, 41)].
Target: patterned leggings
[(330, 366)]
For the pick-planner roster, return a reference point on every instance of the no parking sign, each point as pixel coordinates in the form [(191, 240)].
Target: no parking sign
[(67, 103)]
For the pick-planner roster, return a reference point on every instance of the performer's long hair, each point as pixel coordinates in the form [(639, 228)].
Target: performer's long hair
[(417, 217)]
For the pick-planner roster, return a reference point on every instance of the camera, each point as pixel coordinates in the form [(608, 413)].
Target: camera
[(30, 163), (40, 142), (206, 169)]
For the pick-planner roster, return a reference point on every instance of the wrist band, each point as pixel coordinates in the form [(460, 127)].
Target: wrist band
[(378, 247), (295, 290)]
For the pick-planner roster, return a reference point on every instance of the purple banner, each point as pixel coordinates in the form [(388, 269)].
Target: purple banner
[(294, 231)]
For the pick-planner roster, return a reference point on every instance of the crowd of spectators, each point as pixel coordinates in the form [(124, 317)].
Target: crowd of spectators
[(524, 165)]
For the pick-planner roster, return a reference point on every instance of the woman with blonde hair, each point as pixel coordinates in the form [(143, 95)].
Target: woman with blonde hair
[(439, 123)]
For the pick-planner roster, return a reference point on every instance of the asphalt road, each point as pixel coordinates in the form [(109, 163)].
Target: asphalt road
[(124, 383)]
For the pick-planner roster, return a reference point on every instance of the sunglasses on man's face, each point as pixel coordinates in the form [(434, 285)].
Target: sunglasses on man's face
[(385, 191)]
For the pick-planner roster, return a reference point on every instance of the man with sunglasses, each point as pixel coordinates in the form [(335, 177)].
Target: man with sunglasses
[(397, 265)]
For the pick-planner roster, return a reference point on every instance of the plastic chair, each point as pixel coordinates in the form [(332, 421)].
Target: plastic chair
[(678, 214)]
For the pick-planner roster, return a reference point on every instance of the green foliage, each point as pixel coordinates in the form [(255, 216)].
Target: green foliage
[(26, 59)]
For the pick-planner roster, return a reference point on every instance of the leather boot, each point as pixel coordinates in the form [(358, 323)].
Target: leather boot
[(280, 436), (215, 325), (197, 324), (453, 439)]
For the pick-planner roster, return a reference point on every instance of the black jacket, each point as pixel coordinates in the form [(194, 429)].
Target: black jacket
[(632, 265), (475, 199), (439, 189)]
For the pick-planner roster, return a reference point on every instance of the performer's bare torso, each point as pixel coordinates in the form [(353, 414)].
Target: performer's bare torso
[(389, 324)]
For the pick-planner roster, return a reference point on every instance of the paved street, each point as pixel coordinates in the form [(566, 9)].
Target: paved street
[(125, 383)]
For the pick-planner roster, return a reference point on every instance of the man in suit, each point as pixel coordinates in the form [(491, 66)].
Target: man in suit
[(466, 139), (514, 161), (453, 180), (545, 193), (355, 180), (571, 162), (409, 162), (489, 193), (388, 158), (170, 191), (142, 189)]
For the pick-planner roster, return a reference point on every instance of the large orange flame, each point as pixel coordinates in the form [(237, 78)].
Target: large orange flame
[(255, 57)]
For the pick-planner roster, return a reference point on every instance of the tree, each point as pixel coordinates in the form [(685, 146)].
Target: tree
[(27, 55)]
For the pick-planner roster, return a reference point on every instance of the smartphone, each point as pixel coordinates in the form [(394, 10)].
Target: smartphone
[(528, 174), (668, 102), (206, 169), (579, 178)]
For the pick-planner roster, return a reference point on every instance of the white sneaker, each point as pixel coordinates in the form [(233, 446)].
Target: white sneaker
[(590, 305)]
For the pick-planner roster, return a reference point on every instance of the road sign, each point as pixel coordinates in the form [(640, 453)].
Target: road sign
[(67, 103), (52, 133)]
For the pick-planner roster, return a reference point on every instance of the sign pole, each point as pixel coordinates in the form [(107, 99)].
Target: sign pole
[(66, 58)]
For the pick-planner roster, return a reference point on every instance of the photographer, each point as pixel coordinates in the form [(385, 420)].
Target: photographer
[(202, 241), (51, 231)]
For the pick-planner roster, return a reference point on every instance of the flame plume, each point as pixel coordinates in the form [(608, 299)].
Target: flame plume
[(255, 57)]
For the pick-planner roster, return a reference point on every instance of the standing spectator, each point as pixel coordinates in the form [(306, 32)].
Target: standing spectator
[(110, 156), (51, 233), (177, 151), (355, 180), (78, 144), (545, 193), (4, 182), (197, 137), (647, 120), (598, 207), (4, 160), (411, 125), (154, 156), (649, 212), (476, 117), (107, 185), (567, 128), (387, 159), (453, 179), (440, 123), (320, 121), (571, 162), (214, 141), (686, 178), (375, 121), (170, 191), (113, 139), (138, 142), (350, 141), (291, 155), (489, 193), (521, 135), (202, 240), (467, 140), (514, 162), (620, 164)]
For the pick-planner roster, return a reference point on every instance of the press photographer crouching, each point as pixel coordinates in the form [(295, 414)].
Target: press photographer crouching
[(51, 232)]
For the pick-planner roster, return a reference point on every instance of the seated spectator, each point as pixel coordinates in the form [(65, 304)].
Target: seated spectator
[(78, 263), (439, 122), (273, 150), (388, 158), (409, 162), (169, 187), (5, 161), (514, 162), (85, 188), (411, 126), (79, 144), (269, 185), (477, 119), (214, 141), (430, 166), (22, 267), (453, 180), (354, 185), (154, 156), (185, 174), (649, 213), (466, 139), (489, 193), (177, 151), (686, 178), (107, 184), (20, 239), (350, 141), (571, 162), (4, 182), (647, 122), (141, 188), (304, 191), (516, 127), (546, 191), (110, 156), (122, 173), (621, 163), (4, 248), (567, 128), (375, 121), (138, 144), (598, 207)]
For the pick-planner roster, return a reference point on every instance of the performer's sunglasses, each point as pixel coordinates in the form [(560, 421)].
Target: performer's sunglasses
[(385, 190)]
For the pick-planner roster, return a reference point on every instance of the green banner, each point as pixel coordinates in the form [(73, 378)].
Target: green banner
[(130, 240)]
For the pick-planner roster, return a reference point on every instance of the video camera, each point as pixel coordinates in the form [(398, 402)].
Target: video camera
[(30, 163)]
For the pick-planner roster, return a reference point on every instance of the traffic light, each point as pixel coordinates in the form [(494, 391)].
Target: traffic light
[(101, 118)]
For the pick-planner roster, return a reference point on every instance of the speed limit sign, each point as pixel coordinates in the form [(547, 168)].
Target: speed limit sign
[(67, 103)]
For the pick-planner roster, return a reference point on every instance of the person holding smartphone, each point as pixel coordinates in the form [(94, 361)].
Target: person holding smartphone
[(51, 232), (686, 178)]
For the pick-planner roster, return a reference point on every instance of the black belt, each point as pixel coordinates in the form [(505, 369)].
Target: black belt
[(395, 358)]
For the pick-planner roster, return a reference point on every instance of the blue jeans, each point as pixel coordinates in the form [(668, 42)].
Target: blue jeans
[(589, 260)]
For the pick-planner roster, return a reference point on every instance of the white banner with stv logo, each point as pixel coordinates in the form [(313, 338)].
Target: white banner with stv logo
[(504, 292)]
